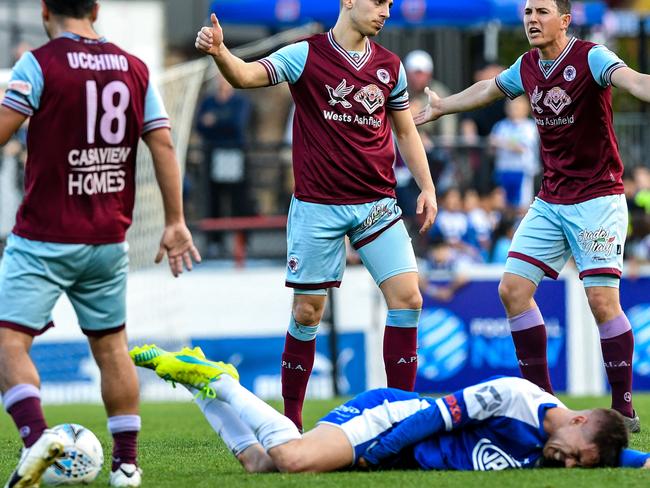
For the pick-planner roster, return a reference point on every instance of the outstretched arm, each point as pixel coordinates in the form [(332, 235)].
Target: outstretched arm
[(239, 73), (635, 83), (631, 458), (478, 95), (176, 240), (410, 145)]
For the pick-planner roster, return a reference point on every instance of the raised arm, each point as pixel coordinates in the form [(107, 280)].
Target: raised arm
[(176, 240), (410, 146), (239, 73), (478, 95), (635, 83)]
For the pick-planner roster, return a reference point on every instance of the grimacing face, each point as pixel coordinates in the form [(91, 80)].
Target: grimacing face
[(571, 447), (543, 23)]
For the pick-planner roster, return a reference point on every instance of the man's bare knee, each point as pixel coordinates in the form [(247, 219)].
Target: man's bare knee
[(307, 312)]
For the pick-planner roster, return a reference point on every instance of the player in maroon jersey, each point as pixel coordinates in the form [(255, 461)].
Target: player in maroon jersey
[(349, 93), (89, 102), (580, 209)]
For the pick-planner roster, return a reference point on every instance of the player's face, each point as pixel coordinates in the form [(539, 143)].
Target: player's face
[(370, 15), (543, 22), (570, 448)]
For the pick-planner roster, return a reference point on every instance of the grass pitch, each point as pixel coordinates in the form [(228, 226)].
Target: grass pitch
[(179, 449)]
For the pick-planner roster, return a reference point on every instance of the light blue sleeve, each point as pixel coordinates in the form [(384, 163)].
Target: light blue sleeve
[(399, 97), (602, 63), (25, 86), (155, 115), (509, 80), (286, 64)]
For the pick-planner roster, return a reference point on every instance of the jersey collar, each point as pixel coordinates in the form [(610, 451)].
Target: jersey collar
[(548, 71), (85, 40), (356, 62)]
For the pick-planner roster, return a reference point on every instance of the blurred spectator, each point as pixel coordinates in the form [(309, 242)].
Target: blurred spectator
[(419, 74), (453, 227), (502, 238), (443, 262), (476, 126), (484, 213), (222, 123), (516, 142)]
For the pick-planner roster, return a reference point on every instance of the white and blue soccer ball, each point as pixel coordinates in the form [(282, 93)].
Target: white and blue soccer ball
[(82, 457)]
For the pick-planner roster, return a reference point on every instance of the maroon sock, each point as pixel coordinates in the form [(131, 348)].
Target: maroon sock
[(617, 355), (125, 449), (401, 357), (530, 346), (28, 417), (297, 362)]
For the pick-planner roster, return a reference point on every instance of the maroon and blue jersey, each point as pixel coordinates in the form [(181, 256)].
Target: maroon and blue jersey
[(571, 103), (343, 148), (89, 102)]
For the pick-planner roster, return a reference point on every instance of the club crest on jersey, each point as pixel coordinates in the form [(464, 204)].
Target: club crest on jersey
[(293, 263), (569, 73), (556, 99), (383, 75), (338, 94), (371, 97), (489, 457)]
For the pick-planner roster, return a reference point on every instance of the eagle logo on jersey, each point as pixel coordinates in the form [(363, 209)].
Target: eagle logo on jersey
[(338, 94), (371, 97), (535, 97), (489, 457), (556, 99)]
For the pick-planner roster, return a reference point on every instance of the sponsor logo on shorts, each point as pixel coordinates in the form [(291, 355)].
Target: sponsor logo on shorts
[(377, 212), (293, 263), (347, 409), (371, 97), (599, 241), (488, 457)]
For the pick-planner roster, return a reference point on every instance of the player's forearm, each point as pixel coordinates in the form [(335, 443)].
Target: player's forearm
[(641, 88), (236, 71), (476, 96), (412, 151), (168, 176)]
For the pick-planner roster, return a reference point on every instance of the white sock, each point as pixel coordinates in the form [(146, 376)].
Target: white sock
[(235, 434), (270, 427)]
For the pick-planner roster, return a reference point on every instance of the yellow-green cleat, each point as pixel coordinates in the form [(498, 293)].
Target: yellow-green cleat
[(147, 356), (188, 366)]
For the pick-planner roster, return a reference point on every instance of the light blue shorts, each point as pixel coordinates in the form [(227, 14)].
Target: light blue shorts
[(316, 242), (593, 232), (34, 274)]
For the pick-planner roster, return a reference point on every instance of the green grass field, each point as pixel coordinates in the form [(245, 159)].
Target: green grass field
[(179, 449)]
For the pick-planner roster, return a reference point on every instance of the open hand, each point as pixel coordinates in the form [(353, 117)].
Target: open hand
[(177, 243), (427, 206), (431, 110)]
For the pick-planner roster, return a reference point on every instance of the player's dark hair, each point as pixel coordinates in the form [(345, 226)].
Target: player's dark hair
[(610, 435), (77, 9), (563, 6)]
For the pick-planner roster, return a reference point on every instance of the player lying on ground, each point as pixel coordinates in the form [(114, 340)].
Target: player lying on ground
[(502, 423)]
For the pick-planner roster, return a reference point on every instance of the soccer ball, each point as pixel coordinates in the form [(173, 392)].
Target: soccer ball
[(82, 457)]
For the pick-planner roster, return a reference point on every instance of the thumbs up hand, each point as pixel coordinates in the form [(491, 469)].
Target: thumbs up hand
[(210, 39)]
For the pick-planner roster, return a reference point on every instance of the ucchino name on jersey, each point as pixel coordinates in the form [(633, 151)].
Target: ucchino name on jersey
[(370, 97), (97, 170)]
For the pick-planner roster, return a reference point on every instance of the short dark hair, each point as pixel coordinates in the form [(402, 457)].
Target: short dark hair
[(610, 435), (563, 6), (77, 9)]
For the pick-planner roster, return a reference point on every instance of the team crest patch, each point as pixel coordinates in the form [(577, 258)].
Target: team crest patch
[(383, 75), (556, 99), (293, 263), (338, 94), (570, 73), (488, 457), (371, 97), (22, 87)]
